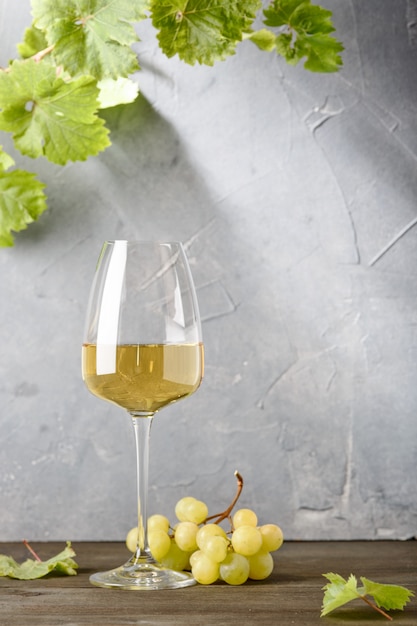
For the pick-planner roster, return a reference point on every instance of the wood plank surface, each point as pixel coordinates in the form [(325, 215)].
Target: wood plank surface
[(292, 596)]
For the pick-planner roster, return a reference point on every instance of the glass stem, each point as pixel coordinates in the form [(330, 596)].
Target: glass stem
[(142, 427)]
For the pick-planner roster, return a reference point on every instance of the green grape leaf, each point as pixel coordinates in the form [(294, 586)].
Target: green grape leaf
[(202, 31), (115, 92), (286, 48), (301, 13), (22, 201), (48, 116), (34, 41), (307, 35), (31, 569), (6, 160), (322, 52), (338, 592), (264, 39), (386, 596), (91, 36)]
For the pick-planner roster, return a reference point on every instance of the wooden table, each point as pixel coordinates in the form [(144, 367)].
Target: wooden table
[(291, 596)]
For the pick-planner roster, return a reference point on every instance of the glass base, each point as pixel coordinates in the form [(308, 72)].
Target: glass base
[(142, 575)]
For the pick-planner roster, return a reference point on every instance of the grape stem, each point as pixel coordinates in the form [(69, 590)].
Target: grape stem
[(31, 550), (377, 608), (219, 517), (36, 57), (42, 53)]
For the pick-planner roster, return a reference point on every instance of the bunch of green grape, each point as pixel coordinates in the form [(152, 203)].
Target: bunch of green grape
[(207, 549)]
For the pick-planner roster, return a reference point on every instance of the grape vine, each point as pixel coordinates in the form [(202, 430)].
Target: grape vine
[(76, 59)]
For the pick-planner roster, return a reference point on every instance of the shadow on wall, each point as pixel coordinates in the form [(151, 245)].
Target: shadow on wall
[(160, 192), (143, 186)]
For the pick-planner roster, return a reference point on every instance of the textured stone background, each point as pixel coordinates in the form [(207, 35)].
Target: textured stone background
[(296, 195)]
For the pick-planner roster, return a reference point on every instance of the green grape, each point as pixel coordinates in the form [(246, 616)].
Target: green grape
[(194, 557), (235, 569), (159, 543), (215, 547), (204, 570), (244, 517), (176, 558), (185, 536), (272, 537), (159, 522), (132, 539), (209, 530), (246, 540), (190, 509), (260, 565)]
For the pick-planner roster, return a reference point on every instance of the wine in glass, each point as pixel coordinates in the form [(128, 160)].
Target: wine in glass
[(142, 350)]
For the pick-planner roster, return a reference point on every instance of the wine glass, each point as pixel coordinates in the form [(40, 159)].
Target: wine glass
[(142, 350)]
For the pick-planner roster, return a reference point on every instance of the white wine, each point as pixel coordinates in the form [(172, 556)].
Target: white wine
[(145, 377)]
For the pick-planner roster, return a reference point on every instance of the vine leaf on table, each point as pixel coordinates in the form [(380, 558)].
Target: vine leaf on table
[(340, 591), (35, 568)]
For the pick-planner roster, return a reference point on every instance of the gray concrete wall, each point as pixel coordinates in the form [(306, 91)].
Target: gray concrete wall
[(296, 194)]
